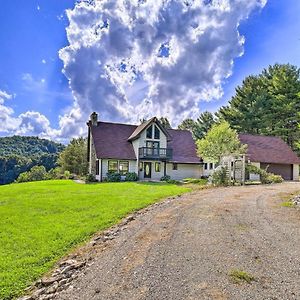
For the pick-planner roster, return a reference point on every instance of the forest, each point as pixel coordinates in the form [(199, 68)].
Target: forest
[(19, 154)]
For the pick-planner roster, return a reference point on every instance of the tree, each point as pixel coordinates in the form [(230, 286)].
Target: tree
[(204, 123), (165, 123), (187, 124), (220, 140), (200, 127), (74, 157), (267, 104)]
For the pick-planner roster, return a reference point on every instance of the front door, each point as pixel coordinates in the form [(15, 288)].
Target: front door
[(147, 169)]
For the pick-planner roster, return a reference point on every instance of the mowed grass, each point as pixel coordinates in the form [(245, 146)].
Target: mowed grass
[(42, 221)]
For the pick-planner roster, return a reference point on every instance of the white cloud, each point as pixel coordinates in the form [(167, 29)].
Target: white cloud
[(133, 59), (28, 123), (179, 52), (44, 61), (38, 7), (6, 120)]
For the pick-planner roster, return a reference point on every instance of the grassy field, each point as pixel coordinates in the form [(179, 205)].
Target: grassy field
[(42, 221)]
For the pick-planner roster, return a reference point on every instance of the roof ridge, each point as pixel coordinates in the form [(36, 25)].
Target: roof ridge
[(262, 135), (117, 123)]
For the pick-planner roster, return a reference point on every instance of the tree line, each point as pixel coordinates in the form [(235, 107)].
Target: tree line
[(266, 104)]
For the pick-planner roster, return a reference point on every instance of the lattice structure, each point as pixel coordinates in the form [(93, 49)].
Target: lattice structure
[(235, 167)]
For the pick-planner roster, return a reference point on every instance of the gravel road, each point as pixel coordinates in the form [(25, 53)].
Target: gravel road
[(186, 248)]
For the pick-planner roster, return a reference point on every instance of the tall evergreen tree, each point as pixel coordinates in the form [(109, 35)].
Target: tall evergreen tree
[(200, 127), (165, 122), (267, 104)]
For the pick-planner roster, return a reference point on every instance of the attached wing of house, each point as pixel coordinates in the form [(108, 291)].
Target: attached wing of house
[(267, 152), (272, 153), (149, 150)]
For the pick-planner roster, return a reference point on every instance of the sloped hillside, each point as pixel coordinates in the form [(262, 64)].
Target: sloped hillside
[(19, 153)]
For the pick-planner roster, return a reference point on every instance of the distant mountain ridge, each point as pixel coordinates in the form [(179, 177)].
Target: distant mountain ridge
[(20, 153), (28, 145)]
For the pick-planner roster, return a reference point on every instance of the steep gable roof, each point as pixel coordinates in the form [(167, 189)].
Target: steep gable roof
[(268, 149), (110, 140), (183, 145), (139, 129)]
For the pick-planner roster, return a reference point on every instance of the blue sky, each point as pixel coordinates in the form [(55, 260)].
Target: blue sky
[(33, 31)]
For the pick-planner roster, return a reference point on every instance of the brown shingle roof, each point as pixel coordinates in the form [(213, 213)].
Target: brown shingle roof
[(139, 129), (184, 147), (111, 141), (268, 149)]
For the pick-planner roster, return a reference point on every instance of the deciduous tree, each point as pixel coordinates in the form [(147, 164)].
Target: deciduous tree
[(220, 140)]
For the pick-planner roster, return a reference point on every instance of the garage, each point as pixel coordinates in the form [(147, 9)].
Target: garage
[(285, 170), (272, 153)]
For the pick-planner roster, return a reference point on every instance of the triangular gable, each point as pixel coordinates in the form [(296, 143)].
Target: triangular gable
[(136, 134)]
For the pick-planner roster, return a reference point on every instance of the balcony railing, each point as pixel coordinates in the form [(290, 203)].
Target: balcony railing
[(155, 153)]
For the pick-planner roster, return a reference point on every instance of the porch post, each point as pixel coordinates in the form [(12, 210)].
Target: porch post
[(165, 168)]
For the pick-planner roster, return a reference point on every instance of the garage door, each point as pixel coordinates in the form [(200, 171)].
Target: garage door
[(286, 171)]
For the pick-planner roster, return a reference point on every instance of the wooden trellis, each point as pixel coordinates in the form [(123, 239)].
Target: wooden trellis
[(235, 167)]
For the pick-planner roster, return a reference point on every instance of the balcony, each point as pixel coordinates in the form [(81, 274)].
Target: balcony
[(155, 153)]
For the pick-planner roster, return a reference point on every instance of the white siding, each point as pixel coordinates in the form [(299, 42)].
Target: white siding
[(143, 139), (132, 166), (154, 175), (209, 170), (184, 171), (295, 172)]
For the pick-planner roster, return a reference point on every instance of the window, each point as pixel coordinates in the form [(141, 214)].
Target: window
[(123, 167), (211, 166), (156, 133), (112, 166), (149, 132), (141, 166), (157, 167), (97, 167), (205, 166), (175, 166), (152, 148)]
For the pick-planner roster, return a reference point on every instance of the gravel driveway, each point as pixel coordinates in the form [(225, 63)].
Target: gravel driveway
[(186, 248)]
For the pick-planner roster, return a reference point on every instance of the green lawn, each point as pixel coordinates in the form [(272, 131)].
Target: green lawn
[(42, 221)]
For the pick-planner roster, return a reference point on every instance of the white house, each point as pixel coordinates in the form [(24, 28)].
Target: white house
[(149, 150)]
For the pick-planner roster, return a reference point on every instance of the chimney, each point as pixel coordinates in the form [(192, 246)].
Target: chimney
[(94, 119)]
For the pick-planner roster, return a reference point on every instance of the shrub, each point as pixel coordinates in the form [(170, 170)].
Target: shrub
[(201, 181), (165, 178), (173, 181), (219, 177), (23, 177), (265, 177), (67, 174), (273, 178), (34, 174), (54, 173), (90, 178), (131, 176), (113, 177)]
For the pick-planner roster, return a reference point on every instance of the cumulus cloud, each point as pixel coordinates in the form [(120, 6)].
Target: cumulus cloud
[(138, 58), (7, 122), (28, 123)]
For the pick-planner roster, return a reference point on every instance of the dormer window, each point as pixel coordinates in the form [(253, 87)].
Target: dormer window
[(149, 132), (156, 133)]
